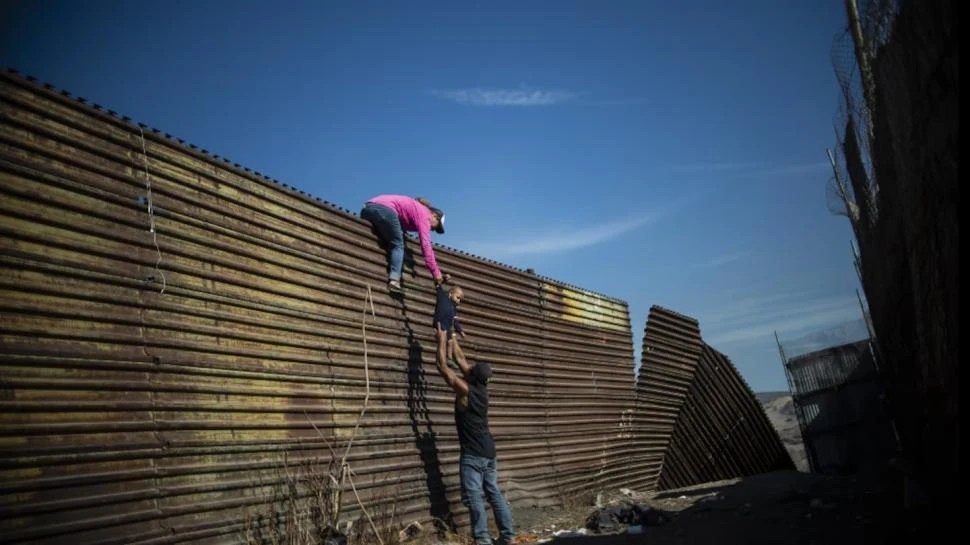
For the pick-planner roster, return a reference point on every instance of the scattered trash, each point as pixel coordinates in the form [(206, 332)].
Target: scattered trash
[(409, 531), (610, 519), (682, 498), (570, 533), (627, 492)]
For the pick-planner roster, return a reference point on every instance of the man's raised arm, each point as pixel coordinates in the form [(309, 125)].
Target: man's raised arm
[(459, 356), (453, 380)]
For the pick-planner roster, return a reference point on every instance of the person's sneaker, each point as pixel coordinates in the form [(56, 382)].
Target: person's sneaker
[(395, 288)]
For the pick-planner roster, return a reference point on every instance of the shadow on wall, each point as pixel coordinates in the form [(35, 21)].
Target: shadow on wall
[(424, 436)]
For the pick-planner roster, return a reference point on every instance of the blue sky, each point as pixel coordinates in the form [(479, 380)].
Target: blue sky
[(659, 152)]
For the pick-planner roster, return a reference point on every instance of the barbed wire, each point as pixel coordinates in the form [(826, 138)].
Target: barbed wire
[(853, 120)]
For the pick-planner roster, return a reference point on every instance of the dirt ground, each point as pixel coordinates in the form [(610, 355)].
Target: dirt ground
[(782, 507), (780, 411)]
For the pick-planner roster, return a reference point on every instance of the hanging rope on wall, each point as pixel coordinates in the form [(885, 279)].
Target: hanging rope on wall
[(151, 215)]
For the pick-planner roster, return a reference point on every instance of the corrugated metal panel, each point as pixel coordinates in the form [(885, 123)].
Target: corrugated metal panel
[(137, 414), (696, 419), (722, 431), (671, 348)]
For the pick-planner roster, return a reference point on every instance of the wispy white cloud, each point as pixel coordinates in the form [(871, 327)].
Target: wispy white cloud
[(563, 241), (525, 96), (749, 308), (722, 260), (785, 314)]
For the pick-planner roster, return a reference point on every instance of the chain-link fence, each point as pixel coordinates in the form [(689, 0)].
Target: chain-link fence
[(853, 188), (840, 334), (838, 397)]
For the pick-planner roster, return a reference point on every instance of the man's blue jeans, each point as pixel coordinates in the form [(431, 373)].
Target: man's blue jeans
[(481, 475), (388, 226)]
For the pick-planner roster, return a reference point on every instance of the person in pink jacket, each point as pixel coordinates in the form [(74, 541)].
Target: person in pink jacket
[(391, 216)]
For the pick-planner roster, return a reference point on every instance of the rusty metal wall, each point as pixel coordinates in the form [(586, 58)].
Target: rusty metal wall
[(671, 347), (696, 419), (151, 382), (722, 431)]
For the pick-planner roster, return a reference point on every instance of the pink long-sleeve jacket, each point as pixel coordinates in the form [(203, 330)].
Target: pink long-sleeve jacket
[(414, 216)]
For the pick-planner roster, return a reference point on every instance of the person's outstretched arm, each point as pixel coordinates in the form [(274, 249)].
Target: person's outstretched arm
[(459, 357), (424, 235), (457, 384)]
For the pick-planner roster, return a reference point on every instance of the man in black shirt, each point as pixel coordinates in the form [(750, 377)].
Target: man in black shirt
[(478, 469)]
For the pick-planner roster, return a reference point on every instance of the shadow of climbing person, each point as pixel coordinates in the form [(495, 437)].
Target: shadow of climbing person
[(425, 439)]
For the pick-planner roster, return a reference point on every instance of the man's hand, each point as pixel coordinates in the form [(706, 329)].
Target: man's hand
[(442, 279)]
